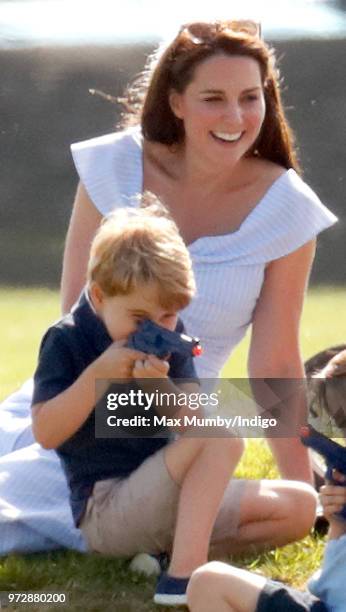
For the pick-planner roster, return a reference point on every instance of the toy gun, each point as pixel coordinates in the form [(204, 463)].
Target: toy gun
[(334, 454), (159, 341)]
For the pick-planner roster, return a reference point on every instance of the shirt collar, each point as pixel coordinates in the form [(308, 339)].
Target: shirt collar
[(93, 327)]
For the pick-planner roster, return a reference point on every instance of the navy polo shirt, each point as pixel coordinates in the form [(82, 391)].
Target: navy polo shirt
[(66, 350)]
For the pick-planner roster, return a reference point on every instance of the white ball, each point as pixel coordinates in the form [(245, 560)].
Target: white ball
[(143, 563)]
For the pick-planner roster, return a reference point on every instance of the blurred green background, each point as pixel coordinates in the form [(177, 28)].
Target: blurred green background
[(26, 313)]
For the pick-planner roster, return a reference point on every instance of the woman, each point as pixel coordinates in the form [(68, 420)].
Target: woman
[(214, 145)]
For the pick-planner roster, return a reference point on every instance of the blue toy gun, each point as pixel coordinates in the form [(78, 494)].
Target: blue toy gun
[(152, 338), (334, 454)]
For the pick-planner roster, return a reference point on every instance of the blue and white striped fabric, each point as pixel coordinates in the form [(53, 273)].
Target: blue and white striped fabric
[(34, 510), (229, 270)]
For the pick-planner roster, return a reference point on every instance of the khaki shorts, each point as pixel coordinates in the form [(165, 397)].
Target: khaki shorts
[(137, 514)]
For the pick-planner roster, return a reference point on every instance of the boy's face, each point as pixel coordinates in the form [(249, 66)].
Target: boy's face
[(122, 313)]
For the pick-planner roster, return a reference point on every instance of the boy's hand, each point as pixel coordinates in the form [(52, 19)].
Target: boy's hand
[(117, 361), (150, 367), (333, 498)]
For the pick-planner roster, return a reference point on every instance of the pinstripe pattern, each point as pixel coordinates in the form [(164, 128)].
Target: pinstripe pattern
[(229, 269)]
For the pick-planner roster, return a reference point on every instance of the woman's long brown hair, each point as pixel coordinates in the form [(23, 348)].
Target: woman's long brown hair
[(147, 99)]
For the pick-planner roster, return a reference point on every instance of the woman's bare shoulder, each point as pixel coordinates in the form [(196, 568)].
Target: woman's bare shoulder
[(268, 169)]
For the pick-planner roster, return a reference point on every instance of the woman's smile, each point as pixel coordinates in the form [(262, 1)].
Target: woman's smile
[(227, 138), (224, 105)]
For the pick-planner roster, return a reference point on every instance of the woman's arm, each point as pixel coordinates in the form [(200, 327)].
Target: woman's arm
[(84, 222), (274, 350)]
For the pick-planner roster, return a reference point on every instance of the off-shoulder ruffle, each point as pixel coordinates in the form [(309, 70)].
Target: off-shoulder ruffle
[(289, 214), (110, 168)]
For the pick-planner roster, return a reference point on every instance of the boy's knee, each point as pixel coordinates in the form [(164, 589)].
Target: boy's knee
[(202, 583), (301, 504), (308, 504), (227, 444)]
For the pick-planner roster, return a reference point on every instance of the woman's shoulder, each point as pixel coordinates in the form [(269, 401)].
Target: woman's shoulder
[(286, 184), (290, 199), (268, 169), (288, 215), (260, 175)]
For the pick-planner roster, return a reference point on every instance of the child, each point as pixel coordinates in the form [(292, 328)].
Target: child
[(131, 495), (224, 588), (326, 378)]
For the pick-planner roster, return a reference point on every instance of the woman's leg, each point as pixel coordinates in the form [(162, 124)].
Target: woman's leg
[(35, 514), (202, 468), (272, 513), (221, 587), (15, 420)]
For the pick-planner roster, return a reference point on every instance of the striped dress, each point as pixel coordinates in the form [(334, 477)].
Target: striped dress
[(229, 270)]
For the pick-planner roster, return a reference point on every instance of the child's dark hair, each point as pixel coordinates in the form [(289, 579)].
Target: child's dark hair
[(326, 394)]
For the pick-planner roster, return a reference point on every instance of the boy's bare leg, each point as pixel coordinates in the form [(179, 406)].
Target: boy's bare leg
[(221, 587), (272, 513), (203, 468)]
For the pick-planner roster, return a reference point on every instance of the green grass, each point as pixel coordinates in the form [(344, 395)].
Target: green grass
[(25, 314), (95, 583), (323, 324)]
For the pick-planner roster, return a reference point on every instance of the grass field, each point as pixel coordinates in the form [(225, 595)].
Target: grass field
[(101, 584)]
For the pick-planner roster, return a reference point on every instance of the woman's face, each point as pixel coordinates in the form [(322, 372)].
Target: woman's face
[(222, 108)]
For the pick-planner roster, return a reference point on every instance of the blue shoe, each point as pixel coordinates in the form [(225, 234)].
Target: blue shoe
[(171, 591)]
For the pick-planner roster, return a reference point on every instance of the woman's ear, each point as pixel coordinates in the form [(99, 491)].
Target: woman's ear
[(96, 295), (175, 102)]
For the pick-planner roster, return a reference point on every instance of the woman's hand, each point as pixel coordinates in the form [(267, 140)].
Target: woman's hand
[(151, 367)]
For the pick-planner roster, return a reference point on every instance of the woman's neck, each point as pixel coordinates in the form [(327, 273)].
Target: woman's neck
[(215, 178), (194, 171)]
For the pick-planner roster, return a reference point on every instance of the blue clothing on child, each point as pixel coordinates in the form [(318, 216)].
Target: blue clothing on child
[(67, 349), (278, 597), (326, 587), (329, 582)]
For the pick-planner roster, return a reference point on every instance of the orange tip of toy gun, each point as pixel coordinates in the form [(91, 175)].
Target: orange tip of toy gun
[(197, 350), (305, 432)]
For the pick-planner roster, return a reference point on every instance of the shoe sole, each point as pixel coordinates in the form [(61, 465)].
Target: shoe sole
[(170, 600)]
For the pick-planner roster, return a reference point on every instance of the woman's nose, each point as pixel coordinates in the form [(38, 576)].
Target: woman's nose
[(233, 114)]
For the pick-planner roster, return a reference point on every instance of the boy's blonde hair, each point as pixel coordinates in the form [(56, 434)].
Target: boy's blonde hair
[(134, 246)]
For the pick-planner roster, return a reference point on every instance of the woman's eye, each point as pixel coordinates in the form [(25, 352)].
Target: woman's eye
[(212, 99), (251, 98)]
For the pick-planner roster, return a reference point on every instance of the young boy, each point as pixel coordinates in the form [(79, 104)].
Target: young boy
[(224, 588), (131, 495)]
